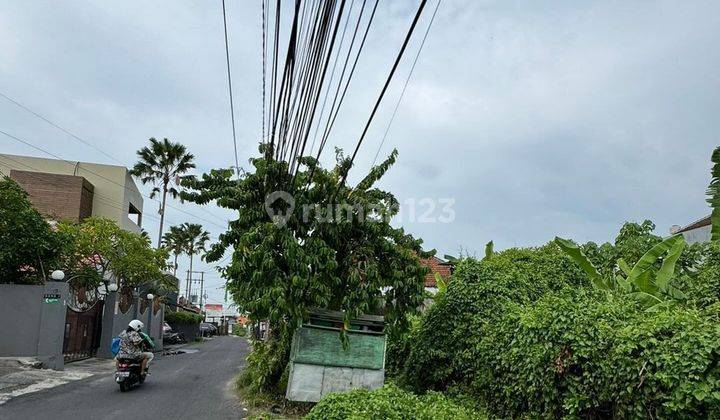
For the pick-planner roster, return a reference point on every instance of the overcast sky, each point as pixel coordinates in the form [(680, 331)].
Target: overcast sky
[(566, 118)]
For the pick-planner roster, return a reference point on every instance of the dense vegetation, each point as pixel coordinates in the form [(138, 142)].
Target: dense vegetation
[(392, 403), (529, 333), (335, 249), (182, 318)]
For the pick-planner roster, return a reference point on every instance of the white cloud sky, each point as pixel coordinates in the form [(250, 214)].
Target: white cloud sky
[(563, 118)]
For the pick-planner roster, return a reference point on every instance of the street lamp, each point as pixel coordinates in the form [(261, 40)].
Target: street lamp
[(150, 296), (58, 275)]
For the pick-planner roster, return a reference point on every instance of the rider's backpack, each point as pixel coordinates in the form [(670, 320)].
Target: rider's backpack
[(115, 346)]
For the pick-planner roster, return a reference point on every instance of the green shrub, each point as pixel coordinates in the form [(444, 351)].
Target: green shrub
[(526, 335), (389, 402), (182, 318), (581, 354), (441, 349)]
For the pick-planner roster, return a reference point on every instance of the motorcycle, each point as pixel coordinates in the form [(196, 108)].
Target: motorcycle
[(129, 370), (129, 373), (174, 338)]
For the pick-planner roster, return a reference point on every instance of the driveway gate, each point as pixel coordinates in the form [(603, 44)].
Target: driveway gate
[(83, 324)]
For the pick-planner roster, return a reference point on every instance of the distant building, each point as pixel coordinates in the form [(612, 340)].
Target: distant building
[(697, 231), (437, 267), (63, 190)]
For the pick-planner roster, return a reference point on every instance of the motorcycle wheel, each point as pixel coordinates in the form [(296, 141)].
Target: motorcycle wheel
[(124, 387)]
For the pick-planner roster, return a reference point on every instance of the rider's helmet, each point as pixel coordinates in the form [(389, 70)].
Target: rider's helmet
[(136, 325)]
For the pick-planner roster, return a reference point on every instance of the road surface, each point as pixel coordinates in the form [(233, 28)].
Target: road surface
[(195, 386)]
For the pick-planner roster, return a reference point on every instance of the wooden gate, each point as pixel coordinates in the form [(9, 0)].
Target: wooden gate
[(82, 332)]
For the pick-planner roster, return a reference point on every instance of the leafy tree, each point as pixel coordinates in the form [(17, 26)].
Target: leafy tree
[(29, 248), (100, 250), (174, 241), (279, 271), (160, 164), (194, 240)]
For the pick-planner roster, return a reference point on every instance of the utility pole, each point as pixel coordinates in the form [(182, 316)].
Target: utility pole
[(191, 278), (202, 284)]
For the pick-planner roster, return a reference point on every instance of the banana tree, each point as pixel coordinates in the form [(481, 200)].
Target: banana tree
[(650, 286)]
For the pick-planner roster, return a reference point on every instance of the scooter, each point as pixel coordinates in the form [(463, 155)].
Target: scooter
[(129, 373)]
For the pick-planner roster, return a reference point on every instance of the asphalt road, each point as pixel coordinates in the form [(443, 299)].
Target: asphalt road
[(195, 386)]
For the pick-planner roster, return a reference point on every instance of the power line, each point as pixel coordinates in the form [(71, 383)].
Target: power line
[(102, 176), (87, 143), (232, 108), (387, 130), (384, 89), (69, 133)]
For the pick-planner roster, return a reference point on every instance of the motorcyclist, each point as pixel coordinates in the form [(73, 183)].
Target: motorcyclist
[(131, 345)]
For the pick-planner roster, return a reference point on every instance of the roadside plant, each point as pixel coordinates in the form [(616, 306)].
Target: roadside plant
[(161, 164), (99, 250), (29, 248)]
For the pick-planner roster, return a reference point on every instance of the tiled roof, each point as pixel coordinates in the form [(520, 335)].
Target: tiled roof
[(705, 221), (437, 266)]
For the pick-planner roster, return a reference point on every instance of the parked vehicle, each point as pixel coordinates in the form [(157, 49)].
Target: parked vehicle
[(129, 373), (207, 329), (172, 337)]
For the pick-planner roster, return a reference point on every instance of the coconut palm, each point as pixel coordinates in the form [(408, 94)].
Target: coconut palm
[(161, 164), (174, 241), (195, 239)]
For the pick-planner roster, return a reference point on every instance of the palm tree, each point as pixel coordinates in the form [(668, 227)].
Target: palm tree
[(195, 239), (160, 164), (175, 242)]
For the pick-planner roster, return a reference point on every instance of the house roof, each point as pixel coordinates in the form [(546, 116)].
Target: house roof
[(437, 266), (705, 221)]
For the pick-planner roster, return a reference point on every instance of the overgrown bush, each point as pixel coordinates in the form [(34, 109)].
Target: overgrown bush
[(526, 334), (441, 353), (581, 354), (182, 318), (703, 288), (389, 402)]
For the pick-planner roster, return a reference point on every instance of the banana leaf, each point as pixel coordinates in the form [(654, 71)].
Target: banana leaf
[(647, 300), (624, 284), (647, 261), (667, 270), (572, 250), (624, 266)]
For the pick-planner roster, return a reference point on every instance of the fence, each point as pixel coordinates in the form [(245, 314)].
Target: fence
[(37, 315)]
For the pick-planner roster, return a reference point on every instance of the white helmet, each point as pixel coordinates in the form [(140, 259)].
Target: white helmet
[(136, 325)]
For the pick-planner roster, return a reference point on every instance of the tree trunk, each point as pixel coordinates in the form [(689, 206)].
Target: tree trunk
[(189, 278), (175, 266), (162, 214)]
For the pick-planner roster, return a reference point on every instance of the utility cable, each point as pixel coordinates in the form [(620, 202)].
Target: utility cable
[(397, 105)]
